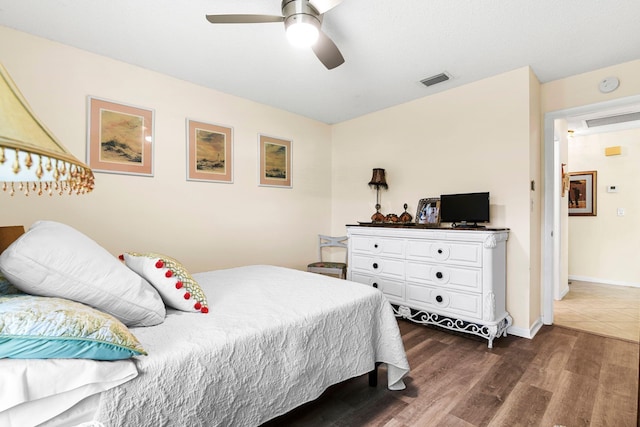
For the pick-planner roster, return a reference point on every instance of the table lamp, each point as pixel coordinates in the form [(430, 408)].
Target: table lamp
[(378, 180)]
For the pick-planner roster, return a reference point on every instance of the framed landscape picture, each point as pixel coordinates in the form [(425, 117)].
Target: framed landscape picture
[(582, 193), (209, 152), (275, 162), (119, 138)]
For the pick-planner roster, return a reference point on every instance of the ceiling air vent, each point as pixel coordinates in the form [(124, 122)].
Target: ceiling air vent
[(612, 120), (434, 80)]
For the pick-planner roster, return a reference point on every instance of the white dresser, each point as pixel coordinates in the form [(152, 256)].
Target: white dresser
[(452, 278)]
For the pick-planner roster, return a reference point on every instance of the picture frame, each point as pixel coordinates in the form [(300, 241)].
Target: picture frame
[(583, 193), (209, 152), (274, 162), (428, 212), (120, 137)]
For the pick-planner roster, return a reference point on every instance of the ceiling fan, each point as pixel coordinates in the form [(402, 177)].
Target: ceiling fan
[(302, 20)]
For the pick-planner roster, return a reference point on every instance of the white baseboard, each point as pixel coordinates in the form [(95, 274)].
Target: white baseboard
[(524, 332), (604, 281), (564, 292)]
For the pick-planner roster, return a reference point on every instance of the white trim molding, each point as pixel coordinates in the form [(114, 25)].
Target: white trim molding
[(524, 332), (604, 281)]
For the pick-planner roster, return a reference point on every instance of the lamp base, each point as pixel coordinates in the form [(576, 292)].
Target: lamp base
[(377, 217)]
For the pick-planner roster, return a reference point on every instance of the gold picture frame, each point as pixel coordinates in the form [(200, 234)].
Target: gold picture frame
[(209, 152), (119, 138), (583, 193), (274, 162)]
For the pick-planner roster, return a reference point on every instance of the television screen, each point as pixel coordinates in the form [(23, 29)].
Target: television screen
[(464, 209)]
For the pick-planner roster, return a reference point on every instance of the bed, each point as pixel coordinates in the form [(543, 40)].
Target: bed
[(270, 339)]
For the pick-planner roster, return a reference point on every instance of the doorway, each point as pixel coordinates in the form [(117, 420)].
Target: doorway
[(552, 224)]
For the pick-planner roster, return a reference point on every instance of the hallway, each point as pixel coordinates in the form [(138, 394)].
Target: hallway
[(609, 310)]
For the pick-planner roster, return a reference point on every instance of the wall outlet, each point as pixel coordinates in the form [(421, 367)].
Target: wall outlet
[(612, 188), (620, 211)]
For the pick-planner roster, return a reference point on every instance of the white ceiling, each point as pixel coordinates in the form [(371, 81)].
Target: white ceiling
[(388, 45)]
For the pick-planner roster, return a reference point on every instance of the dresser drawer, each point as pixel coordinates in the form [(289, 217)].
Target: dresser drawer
[(392, 288), (378, 266), (467, 279), (374, 245), (443, 301), (459, 253)]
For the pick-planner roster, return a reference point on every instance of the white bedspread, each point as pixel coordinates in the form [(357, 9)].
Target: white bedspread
[(274, 338), (34, 390)]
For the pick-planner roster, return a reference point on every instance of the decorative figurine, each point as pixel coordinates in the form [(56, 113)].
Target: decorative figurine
[(393, 218), (405, 217)]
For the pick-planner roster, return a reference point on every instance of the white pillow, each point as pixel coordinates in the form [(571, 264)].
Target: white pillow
[(55, 260), (171, 279)]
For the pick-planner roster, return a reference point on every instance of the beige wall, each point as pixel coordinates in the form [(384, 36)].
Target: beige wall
[(477, 137), (204, 225), (582, 89), (601, 248)]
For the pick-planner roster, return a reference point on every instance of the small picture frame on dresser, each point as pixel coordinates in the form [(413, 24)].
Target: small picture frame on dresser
[(428, 212)]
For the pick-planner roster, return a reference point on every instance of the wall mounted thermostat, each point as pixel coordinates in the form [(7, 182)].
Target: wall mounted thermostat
[(609, 84), (612, 188)]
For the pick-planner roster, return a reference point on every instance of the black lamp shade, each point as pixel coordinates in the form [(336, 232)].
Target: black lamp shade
[(378, 179)]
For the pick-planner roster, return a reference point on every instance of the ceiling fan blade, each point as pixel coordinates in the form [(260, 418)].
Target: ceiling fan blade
[(324, 5), (243, 19), (327, 52)]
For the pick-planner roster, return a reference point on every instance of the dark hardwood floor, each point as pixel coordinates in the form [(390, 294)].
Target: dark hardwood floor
[(562, 377)]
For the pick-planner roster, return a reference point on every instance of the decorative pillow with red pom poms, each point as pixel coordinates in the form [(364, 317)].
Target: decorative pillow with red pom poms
[(172, 281)]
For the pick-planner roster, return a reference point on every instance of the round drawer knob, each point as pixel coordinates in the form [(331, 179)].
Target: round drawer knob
[(439, 298), (439, 251), (439, 275), (375, 246), (375, 265), (375, 285)]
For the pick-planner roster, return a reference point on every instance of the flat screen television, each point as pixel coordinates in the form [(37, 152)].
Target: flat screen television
[(464, 210)]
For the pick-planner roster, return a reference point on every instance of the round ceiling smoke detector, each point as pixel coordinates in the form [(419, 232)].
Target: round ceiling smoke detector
[(609, 84)]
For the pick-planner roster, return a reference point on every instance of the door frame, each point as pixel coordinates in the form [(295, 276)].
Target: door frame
[(552, 227)]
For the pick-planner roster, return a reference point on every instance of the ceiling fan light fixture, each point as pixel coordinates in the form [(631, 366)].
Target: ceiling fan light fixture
[(302, 22), (302, 30)]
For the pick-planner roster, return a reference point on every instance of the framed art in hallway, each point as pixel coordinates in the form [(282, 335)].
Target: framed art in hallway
[(274, 162), (119, 138), (583, 193), (209, 152)]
